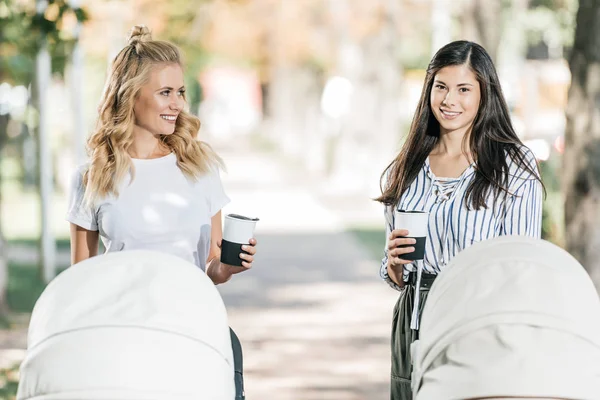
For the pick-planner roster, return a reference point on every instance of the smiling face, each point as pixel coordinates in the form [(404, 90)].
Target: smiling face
[(160, 100), (454, 98)]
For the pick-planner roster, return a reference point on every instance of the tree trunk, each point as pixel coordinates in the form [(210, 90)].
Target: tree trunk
[(581, 164), (41, 84), (3, 281), (482, 23), (3, 257)]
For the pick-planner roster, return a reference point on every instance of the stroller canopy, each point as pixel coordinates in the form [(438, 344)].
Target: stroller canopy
[(512, 316), (129, 325)]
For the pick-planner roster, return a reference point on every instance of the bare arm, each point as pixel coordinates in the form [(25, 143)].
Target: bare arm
[(216, 235), (221, 273), (213, 262), (84, 243)]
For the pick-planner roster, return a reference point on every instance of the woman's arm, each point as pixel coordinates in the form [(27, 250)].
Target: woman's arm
[(84, 243), (523, 210), (83, 221), (213, 263), (392, 265), (216, 271), (523, 206)]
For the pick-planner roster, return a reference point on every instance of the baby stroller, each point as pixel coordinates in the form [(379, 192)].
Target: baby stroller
[(131, 325), (511, 317)]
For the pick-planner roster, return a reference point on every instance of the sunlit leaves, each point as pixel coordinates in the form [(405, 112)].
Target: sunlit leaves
[(23, 31)]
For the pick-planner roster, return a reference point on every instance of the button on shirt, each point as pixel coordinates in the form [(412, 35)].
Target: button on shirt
[(453, 227)]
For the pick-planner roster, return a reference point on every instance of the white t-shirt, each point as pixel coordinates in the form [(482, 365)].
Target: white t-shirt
[(160, 209)]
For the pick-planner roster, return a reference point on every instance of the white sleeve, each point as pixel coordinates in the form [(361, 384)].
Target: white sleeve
[(523, 208), (78, 213), (216, 193)]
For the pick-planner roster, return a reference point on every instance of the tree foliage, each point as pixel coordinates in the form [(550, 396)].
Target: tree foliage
[(23, 31), (551, 21)]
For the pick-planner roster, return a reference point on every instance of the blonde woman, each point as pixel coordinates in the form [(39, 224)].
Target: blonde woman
[(150, 184)]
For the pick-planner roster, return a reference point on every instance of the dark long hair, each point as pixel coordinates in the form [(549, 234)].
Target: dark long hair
[(491, 140)]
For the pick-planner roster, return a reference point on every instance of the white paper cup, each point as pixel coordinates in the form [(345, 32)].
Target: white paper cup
[(237, 231), (417, 224)]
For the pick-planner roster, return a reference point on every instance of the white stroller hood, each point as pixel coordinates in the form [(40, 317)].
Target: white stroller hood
[(512, 316), (129, 325)]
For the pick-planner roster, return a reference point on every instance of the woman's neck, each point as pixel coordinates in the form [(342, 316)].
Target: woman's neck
[(145, 145), (451, 144)]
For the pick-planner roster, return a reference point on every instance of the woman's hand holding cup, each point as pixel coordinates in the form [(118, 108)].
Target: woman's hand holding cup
[(397, 238), (395, 261), (237, 251), (405, 250)]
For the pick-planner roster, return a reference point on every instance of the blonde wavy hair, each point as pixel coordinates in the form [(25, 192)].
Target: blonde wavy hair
[(108, 145)]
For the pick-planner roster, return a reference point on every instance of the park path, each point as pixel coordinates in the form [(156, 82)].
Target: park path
[(312, 315)]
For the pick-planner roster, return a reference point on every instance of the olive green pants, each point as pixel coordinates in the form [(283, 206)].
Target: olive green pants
[(403, 336)]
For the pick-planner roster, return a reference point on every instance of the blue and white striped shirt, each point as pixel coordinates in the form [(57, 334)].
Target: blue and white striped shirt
[(453, 227)]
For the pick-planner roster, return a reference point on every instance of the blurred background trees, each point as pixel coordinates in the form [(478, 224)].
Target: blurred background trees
[(328, 86), (28, 30), (581, 166)]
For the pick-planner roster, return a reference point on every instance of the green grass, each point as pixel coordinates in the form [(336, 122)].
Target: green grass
[(24, 287), (24, 281), (9, 382), (372, 239), (20, 215), (62, 244)]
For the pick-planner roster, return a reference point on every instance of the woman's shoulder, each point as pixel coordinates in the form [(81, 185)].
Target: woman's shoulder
[(521, 157), (522, 165), (83, 167), (78, 172), (210, 177)]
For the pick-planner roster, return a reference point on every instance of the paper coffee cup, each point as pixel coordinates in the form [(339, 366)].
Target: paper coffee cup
[(417, 225), (237, 231)]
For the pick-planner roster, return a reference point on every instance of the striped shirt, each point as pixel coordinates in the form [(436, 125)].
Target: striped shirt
[(453, 227)]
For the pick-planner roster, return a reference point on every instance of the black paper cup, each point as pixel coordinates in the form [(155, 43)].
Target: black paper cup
[(416, 222), (237, 231)]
